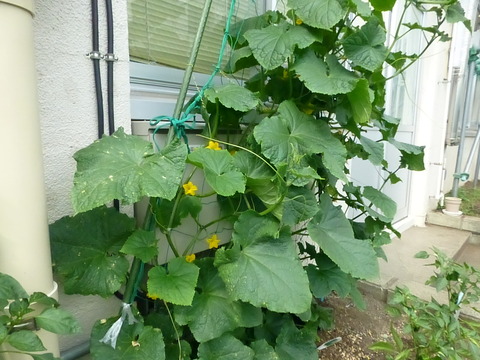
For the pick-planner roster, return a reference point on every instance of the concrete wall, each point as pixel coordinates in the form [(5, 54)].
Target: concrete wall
[(68, 112)]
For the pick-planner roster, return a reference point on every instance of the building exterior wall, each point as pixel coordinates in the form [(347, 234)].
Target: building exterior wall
[(68, 112)]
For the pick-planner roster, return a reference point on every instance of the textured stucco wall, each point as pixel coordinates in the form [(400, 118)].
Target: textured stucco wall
[(68, 112)]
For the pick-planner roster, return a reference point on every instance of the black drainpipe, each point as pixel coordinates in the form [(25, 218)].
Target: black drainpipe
[(110, 59), (96, 57)]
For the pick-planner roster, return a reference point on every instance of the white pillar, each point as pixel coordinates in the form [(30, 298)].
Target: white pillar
[(24, 241)]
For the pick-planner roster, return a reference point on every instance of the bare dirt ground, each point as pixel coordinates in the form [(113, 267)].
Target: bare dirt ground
[(358, 329)]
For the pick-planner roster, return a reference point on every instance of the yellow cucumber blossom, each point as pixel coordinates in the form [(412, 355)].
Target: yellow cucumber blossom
[(190, 188), (153, 297), (213, 145), (190, 258), (299, 21), (213, 241)]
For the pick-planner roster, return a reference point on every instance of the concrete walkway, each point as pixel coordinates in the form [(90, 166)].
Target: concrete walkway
[(403, 269)]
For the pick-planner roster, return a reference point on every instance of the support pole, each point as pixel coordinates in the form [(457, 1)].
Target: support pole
[(24, 240)]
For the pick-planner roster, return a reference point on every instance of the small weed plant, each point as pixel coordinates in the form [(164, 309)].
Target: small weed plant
[(434, 330), (19, 321), (239, 282)]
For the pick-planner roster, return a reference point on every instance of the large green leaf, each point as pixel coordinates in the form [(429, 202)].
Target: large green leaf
[(327, 77), (375, 150), (271, 46), (295, 344), (383, 206), (174, 284), (331, 230), (264, 269), (25, 340), (86, 249), (233, 96), (361, 99), (213, 312), (226, 347), (58, 321), (125, 167), (383, 5), (292, 134), (10, 289), (141, 244), (366, 47), (135, 342), (323, 14), (220, 170)]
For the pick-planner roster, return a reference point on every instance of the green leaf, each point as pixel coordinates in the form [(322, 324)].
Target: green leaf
[(381, 202), (383, 346), (263, 351), (323, 14), (233, 96), (362, 8), (25, 340), (176, 284), (383, 5), (213, 312), (412, 155), (125, 167), (135, 342), (366, 47), (293, 133), (333, 232), (262, 269), (271, 46), (220, 170), (58, 321), (86, 248), (422, 255), (295, 344), (141, 244), (361, 99), (299, 205), (225, 347), (327, 77), (43, 357), (375, 150), (455, 13), (41, 298), (324, 281), (10, 288)]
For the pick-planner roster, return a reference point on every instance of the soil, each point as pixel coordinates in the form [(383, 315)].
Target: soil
[(359, 329)]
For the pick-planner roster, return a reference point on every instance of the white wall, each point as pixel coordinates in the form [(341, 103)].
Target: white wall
[(68, 112)]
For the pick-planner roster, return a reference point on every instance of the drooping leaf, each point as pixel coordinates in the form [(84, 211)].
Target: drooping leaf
[(375, 150), (271, 46), (299, 205), (383, 5), (263, 350), (366, 47), (361, 99), (213, 312), (58, 321), (233, 96), (86, 251), (323, 14), (220, 171), (25, 340), (226, 347), (412, 155), (135, 342), (362, 8), (294, 344), (327, 77), (380, 202), (141, 244), (331, 230), (10, 288), (455, 13), (125, 167), (292, 133), (264, 269), (41, 298), (176, 284)]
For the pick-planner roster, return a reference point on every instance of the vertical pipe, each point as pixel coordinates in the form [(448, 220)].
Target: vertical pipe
[(110, 59), (95, 56), (24, 240)]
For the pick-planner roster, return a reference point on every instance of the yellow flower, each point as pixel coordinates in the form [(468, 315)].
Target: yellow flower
[(153, 297), (213, 145), (213, 242), (299, 21), (285, 74), (190, 258), (190, 188)]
